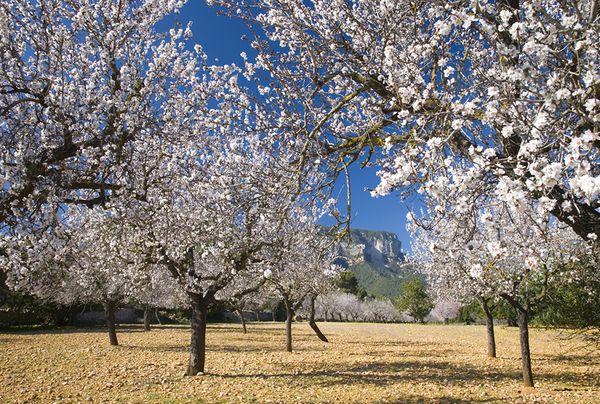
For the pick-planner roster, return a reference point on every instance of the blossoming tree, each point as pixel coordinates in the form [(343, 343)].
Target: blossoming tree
[(498, 251), (82, 84), (511, 86), (299, 262), (86, 260)]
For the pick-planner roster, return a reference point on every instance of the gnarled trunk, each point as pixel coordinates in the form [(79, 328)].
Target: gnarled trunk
[(109, 312), (147, 318), (489, 324), (288, 326), (523, 321), (491, 337), (242, 319), (313, 323), (522, 311), (199, 306)]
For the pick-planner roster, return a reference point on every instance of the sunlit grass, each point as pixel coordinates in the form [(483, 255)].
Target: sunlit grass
[(363, 362)]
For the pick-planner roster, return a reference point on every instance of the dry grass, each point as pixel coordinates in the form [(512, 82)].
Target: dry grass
[(363, 363)]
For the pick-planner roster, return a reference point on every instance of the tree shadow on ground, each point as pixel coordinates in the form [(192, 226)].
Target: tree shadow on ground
[(125, 328), (394, 372), (86, 330), (415, 399), (578, 359), (438, 372), (157, 349), (229, 348), (275, 329)]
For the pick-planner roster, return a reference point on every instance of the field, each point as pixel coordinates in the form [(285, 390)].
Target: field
[(363, 363)]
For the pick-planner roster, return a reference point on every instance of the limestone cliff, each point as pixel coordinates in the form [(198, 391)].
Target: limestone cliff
[(377, 260)]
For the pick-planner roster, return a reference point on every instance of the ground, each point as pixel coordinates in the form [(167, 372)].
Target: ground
[(362, 363)]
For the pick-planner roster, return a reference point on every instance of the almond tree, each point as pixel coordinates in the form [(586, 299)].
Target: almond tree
[(446, 309), (347, 306), (300, 260), (82, 84), (85, 260), (380, 311), (496, 250), (155, 288), (448, 273), (211, 220), (98, 108), (509, 86)]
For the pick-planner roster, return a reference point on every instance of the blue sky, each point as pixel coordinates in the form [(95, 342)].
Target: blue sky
[(221, 39)]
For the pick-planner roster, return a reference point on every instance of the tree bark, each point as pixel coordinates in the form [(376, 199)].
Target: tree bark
[(273, 314), (147, 318), (288, 326), (313, 323), (523, 321), (109, 311), (256, 313), (489, 324), (242, 319), (491, 336), (198, 342), (157, 316)]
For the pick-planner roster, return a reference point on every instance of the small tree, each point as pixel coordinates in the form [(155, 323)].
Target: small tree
[(415, 300), (445, 310), (300, 260), (346, 282)]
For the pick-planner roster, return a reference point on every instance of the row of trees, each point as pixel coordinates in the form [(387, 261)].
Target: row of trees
[(339, 306), (488, 108), (498, 253), (136, 173), (351, 303)]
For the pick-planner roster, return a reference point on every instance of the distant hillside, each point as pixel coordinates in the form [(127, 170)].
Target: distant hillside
[(376, 258)]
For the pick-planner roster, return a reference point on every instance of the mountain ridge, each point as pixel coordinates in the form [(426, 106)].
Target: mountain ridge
[(376, 259)]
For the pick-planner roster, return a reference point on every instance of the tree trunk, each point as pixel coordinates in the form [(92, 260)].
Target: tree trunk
[(288, 326), (147, 318), (198, 342), (273, 314), (256, 313), (157, 316), (109, 311), (491, 336), (313, 323), (489, 323), (242, 319), (340, 317), (523, 321)]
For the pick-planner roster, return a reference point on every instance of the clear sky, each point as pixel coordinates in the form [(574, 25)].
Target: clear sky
[(222, 41)]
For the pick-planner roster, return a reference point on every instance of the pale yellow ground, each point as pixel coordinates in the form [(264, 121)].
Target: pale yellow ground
[(362, 363)]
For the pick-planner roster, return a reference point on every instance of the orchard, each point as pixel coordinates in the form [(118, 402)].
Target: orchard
[(141, 172)]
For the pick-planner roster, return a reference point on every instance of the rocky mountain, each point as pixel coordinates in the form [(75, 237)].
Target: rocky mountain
[(376, 258)]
